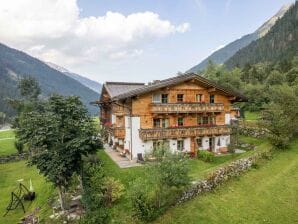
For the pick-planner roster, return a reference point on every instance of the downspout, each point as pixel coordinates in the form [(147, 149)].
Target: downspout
[(130, 113)]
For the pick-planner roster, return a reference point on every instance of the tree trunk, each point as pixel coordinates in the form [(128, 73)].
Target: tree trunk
[(61, 197)]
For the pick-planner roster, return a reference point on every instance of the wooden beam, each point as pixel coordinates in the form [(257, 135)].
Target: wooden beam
[(211, 89)]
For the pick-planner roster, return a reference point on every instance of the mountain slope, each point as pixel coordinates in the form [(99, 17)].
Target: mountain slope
[(280, 43), (223, 54), (16, 64), (91, 84)]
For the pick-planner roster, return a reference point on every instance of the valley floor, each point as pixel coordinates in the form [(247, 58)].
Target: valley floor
[(267, 194)]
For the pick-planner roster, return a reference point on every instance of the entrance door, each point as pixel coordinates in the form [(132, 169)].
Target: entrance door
[(198, 143), (211, 144)]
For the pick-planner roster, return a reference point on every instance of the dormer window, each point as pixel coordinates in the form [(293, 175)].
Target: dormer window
[(180, 98)]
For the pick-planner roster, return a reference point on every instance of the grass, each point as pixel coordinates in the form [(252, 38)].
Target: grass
[(7, 146), (9, 174), (121, 211), (252, 116), (251, 140), (264, 195)]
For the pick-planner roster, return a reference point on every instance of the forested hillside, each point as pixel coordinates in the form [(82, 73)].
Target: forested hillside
[(280, 43), (15, 65), (222, 55)]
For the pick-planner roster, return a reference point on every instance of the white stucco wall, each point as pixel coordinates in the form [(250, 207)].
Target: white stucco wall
[(173, 145), (205, 143), (138, 146), (227, 118), (187, 143), (127, 132), (113, 119)]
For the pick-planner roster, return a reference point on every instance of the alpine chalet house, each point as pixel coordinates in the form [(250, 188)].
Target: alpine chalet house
[(186, 112)]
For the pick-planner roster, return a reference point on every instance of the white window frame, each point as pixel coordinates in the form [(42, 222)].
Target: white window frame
[(155, 96), (180, 140)]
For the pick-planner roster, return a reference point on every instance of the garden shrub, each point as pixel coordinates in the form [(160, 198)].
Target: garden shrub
[(206, 156), (144, 200), (19, 146), (231, 148), (113, 190)]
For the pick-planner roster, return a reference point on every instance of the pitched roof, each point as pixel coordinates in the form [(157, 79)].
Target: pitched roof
[(142, 89), (117, 88)]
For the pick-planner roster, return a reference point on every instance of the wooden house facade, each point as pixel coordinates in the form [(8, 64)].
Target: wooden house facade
[(186, 112)]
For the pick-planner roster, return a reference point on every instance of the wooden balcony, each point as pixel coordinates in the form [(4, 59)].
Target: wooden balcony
[(186, 107), (117, 132), (180, 132)]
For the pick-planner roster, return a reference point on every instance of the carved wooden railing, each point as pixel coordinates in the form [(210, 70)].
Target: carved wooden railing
[(186, 107), (178, 132)]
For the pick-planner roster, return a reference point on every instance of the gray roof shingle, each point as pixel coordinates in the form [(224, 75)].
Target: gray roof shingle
[(117, 88)]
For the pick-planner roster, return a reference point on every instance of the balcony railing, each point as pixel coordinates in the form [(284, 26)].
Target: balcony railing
[(186, 107), (117, 132), (178, 132)]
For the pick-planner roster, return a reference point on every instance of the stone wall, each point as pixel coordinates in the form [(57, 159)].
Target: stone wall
[(13, 158), (256, 132), (222, 174)]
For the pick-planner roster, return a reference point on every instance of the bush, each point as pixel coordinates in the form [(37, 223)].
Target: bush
[(206, 156), (19, 146), (143, 199), (94, 217), (113, 190), (231, 148)]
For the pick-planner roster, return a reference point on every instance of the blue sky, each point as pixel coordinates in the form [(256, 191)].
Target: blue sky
[(213, 23), (129, 40)]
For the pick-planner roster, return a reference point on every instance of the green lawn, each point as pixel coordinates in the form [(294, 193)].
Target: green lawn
[(7, 146), (9, 174), (251, 116), (121, 212), (264, 195)]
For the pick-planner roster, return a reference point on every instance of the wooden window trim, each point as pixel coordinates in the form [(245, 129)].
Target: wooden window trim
[(179, 100)]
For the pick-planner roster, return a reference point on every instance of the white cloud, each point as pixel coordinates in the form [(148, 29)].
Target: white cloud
[(54, 31)]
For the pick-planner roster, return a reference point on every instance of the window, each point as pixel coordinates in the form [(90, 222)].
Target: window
[(156, 145), (160, 122), (156, 98), (212, 98), (206, 120), (165, 122), (156, 122), (180, 145), (212, 120), (199, 142), (164, 98), (180, 121), (199, 120), (160, 144), (199, 98), (180, 97)]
